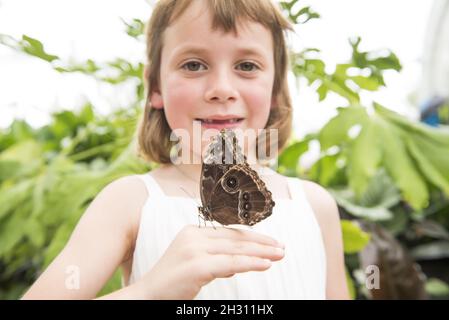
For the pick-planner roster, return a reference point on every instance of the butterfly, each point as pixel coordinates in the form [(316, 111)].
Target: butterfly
[(231, 191)]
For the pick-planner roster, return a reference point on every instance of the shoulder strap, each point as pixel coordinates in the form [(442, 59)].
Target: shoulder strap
[(296, 188), (151, 184)]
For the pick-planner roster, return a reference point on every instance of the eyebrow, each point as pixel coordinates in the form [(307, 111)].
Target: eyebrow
[(205, 51)]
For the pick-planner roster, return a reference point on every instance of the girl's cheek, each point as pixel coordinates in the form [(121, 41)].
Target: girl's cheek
[(258, 100), (181, 101)]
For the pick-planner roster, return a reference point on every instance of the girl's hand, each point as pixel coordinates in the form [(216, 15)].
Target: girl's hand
[(199, 255)]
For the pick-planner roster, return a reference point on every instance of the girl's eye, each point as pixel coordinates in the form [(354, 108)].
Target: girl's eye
[(248, 66), (195, 65)]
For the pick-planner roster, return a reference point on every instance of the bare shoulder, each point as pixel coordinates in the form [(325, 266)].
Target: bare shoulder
[(322, 202), (130, 186), (126, 195), (121, 202)]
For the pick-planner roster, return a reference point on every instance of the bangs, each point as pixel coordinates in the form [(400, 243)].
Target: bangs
[(227, 15)]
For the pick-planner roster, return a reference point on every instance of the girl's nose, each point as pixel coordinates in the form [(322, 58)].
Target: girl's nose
[(220, 88)]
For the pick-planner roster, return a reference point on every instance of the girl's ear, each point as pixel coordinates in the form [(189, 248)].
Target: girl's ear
[(155, 96), (156, 100)]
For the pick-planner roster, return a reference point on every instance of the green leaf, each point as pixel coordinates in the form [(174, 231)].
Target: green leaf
[(35, 232), (289, 158), (341, 69), (27, 45), (325, 169), (9, 169), (135, 28), (34, 47), (335, 132), (375, 213), (381, 191), (13, 196), (401, 168), (354, 238), (431, 251), (367, 83), (302, 16), (437, 287), (364, 157), (381, 194), (315, 65), (432, 160), (12, 231), (322, 92), (439, 135), (22, 152), (87, 67), (389, 62)]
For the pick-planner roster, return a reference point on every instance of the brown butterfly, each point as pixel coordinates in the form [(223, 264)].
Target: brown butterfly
[(231, 191)]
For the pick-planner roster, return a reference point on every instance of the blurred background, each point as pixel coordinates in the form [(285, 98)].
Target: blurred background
[(369, 84)]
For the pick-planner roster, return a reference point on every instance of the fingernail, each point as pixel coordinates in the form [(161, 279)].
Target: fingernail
[(280, 245), (280, 251)]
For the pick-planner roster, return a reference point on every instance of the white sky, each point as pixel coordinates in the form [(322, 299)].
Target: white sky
[(83, 29)]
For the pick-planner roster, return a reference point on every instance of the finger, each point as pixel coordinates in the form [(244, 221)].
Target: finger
[(247, 248), (224, 266), (241, 235)]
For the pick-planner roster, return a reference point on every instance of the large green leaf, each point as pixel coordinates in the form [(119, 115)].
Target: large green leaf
[(375, 203), (439, 135), (374, 213), (365, 157), (335, 132), (432, 160), (401, 167)]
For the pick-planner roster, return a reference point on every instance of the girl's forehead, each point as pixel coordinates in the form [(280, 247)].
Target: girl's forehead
[(196, 21), (196, 28), (193, 28)]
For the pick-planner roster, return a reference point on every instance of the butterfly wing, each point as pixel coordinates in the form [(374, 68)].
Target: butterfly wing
[(222, 154), (240, 197), (210, 175)]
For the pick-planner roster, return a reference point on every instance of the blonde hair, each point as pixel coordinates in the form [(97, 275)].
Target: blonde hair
[(154, 132)]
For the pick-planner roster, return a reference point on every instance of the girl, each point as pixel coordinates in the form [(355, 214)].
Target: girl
[(208, 61)]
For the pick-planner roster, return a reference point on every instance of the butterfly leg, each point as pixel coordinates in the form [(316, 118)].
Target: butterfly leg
[(200, 216), (213, 225)]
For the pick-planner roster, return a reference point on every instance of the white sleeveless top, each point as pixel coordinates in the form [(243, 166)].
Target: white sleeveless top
[(301, 274)]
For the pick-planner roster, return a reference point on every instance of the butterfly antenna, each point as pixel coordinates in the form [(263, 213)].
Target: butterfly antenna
[(199, 220)]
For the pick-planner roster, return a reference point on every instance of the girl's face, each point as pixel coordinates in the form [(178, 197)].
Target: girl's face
[(209, 75)]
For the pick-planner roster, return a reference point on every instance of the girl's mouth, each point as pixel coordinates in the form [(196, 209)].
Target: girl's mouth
[(220, 123)]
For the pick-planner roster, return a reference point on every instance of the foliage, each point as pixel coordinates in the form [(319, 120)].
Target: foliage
[(379, 166)]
